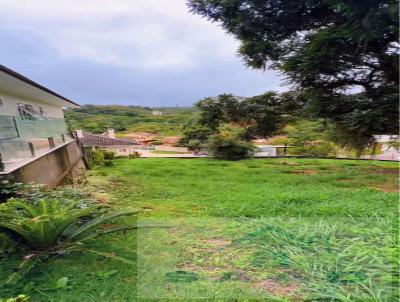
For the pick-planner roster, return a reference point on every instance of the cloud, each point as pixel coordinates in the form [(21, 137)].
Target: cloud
[(138, 34)]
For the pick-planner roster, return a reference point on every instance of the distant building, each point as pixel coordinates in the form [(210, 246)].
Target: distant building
[(270, 150), (106, 141), (386, 148), (157, 113)]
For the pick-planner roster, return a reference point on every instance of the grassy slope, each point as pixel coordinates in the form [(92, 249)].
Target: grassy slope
[(237, 227)]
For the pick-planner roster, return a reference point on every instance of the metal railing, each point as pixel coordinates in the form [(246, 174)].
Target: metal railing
[(22, 139)]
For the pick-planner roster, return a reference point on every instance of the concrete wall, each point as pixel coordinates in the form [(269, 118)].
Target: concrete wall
[(10, 106), (53, 168)]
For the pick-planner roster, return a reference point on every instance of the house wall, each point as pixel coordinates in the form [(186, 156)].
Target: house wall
[(10, 106), (53, 168), (120, 150)]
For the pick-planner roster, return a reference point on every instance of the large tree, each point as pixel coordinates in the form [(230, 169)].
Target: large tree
[(342, 53)]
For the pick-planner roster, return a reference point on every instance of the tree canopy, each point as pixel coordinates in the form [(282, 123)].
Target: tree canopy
[(342, 53)]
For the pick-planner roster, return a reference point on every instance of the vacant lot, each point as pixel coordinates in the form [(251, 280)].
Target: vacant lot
[(253, 230)]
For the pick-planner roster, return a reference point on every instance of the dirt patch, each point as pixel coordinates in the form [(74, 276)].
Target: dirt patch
[(277, 288), (308, 172), (386, 187), (385, 171), (288, 163), (217, 242), (175, 231)]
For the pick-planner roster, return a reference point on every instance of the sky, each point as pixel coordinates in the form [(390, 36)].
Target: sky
[(127, 52)]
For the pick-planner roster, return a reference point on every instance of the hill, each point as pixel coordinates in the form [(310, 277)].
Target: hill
[(129, 119)]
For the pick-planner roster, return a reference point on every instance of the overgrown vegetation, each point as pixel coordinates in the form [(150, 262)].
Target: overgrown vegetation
[(97, 119), (46, 224), (251, 230)]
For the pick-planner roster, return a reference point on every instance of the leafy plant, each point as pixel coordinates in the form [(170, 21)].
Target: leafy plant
[(52, 227), (228, 144), (108, 155)]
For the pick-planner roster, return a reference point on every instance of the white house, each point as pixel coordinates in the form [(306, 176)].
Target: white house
[(108, 142), (32, 121)]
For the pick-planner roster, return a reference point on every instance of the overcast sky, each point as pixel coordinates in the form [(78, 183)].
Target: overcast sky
[(132, 52)]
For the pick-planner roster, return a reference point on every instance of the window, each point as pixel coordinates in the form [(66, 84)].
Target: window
[(41, 110), (1, 103), (25, 111)]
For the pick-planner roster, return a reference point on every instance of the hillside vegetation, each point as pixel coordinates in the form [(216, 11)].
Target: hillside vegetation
[(125, 119)]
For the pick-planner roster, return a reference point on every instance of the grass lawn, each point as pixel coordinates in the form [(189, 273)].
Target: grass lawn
[(252, 230)]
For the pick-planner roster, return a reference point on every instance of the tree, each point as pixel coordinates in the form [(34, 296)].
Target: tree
[(218, 110), (196, 137), (261, 115), (327, 48)]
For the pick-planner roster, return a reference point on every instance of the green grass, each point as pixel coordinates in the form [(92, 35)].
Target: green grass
[(252, 230)]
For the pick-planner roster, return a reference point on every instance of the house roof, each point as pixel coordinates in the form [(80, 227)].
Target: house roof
[(89, 140), (34, 84)]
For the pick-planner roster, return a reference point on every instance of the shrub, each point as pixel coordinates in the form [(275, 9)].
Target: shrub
[(108, 155), (108, 163), (52, 227), (98, 157), (316, 149), (230, 145), (135, 155)]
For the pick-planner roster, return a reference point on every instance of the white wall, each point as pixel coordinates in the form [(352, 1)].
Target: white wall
[(10, 106)]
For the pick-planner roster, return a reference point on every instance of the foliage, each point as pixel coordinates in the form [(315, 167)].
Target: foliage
[(53, 226), (97, 119), (103, 157), (395, 144), (98, 157), (108, 163), (19, 298), (310, 138), (196, 137), (328, 49), (9, 189), (261, 115), (210, 200), (135, 154), (109, 155), (7, 246), (34, 193), (229, 144)]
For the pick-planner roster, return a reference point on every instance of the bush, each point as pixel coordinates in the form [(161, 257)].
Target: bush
[(54, 227), (108, 155), (230, 145), (135, 155), (98, 157), (108, 163), (315, 149)]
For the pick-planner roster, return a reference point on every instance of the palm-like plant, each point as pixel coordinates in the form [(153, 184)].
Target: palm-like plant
[(52, 226)]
